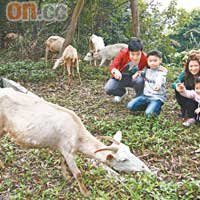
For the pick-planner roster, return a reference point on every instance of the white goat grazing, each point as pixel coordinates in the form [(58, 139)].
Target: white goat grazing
[(54, 45), (33, 122), (109, 52), (95, 43), (70, 60), (10, 38)]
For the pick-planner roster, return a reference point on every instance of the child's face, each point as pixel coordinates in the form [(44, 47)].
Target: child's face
[(153, 61), (194, 67), (135, 56), (197, 88)]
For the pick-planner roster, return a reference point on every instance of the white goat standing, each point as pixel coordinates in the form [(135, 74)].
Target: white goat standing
[(33, 122), (109, 52), (95, 43), (70, 60), (54, 45)]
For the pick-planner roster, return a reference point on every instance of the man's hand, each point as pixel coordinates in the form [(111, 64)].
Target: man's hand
[(197, 111), (116, 73), (180, 87), (134, 76)]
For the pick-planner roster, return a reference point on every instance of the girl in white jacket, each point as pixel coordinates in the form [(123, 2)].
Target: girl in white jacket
[(192, 94)]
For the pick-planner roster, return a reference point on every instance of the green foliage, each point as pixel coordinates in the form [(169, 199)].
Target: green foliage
[(177, 59), (105, 18), (153, 29), (188, 34), (27, 71)]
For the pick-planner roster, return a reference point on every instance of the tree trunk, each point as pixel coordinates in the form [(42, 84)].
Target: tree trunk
[(34, 45), (135, 18), (3, 21), (72, 26)]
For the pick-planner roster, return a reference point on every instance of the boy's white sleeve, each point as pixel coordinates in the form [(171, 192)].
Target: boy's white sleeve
[(161, 78)]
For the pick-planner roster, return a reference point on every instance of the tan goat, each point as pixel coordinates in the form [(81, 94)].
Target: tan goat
[(33, 122), (54, 45), (10, 38), (70, 60)]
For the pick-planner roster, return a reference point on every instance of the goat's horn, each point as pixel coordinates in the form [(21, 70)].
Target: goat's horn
[(114, 149), (109, 139)]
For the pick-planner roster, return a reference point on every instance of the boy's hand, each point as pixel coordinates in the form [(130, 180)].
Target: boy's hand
[(117, 74), (197, 111), (134, 76), (157, 87), (180, 87)]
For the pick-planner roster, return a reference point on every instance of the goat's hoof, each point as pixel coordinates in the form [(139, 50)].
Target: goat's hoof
[(2, 165), (67, 177), (85, 192), (67, 88)]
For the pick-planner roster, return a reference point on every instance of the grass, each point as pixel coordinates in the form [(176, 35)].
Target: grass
[(162, 143)]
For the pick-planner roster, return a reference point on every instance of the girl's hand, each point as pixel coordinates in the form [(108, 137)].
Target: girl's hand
[(180, 87), (197, 111), (117, 74)]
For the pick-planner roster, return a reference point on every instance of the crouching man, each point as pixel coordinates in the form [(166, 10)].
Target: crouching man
[(124, 66)]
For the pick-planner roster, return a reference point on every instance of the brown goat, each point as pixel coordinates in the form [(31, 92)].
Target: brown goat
[(70, 60), (10, 38), (54, 45)]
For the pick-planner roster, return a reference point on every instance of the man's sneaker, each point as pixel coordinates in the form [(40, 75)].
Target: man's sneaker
[(118, 99), (188, 122)]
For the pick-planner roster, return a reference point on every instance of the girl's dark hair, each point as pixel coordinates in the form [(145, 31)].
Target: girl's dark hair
[(135, 44), (189, 78)]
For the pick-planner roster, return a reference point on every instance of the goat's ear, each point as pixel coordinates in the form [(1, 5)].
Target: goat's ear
[(118, 136), (109, 157)]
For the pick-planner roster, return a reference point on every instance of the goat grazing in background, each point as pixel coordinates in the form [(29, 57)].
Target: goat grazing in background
[(95, 43), (70, 60), (10, 38), (54, 45), (109, 52), (33, 122)]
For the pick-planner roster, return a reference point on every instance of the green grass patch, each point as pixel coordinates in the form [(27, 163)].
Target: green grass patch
[(163, 143)]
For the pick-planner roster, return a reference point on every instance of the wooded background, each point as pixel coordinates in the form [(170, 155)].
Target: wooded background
[(171, 30)]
